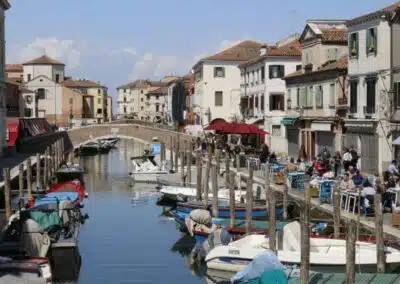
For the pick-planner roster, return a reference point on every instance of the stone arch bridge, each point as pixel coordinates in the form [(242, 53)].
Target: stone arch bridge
[(73, 138)]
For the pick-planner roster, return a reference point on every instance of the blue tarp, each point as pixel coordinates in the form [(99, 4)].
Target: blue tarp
[(156, 149), (264, 266)]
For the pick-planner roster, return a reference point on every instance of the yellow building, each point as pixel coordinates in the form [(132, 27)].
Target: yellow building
[(94, 89), (109, 114)]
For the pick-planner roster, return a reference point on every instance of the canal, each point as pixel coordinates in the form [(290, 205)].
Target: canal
[(126, 239)]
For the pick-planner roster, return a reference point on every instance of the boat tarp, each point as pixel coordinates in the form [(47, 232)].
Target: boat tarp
[(46, 220), (262, 267), (30, 127), (201, 220), (220, 237), (32, 239)]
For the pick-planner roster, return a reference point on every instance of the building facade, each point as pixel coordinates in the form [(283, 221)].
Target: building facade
[(394, 19), (217, 82), (317, 89), (263, 88), (109, 115), (368, 123)]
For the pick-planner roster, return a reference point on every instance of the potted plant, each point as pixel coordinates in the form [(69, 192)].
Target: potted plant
[(371, 48), (353, 52)]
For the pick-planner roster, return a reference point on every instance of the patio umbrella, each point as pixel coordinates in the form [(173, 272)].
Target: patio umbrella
[(242, 128), (216, 125)]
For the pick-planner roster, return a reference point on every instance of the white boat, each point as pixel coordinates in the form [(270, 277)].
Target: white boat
[(147, 171), (177, 192), (326, 255)]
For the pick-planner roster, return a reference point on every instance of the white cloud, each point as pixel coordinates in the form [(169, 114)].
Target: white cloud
[(130, 50), (67, 51)]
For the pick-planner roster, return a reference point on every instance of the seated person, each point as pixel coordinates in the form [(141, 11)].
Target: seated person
[(368, 192), (301, 165), (319, 167), (347, 183), (358, 178), (392, 169)]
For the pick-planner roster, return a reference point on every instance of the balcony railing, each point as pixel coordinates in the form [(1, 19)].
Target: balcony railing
[(353, 108)]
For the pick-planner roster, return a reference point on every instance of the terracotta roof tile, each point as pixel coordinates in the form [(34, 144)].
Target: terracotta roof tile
[(14, 68), (69, 83), (334, 35), (43, 60), (140, 83), (340, 64), (289, 49), (375, 14), (158, 90), (241, 52)]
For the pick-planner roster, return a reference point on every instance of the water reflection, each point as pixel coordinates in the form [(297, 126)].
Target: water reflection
[(129, 239)]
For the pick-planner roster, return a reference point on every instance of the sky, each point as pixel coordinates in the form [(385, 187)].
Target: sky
[(116, 42)]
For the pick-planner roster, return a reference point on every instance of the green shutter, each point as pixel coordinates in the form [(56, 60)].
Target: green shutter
[(357, 45), (376, 40), (368, 41)]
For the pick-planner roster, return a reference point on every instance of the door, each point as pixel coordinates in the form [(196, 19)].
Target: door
[(369, 150), (293, 142), (326, 139), (351, 140)]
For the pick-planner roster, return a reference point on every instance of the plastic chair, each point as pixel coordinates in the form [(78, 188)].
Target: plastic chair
[(325, 191)]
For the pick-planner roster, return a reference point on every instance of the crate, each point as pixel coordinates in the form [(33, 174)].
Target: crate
[(396, 220)]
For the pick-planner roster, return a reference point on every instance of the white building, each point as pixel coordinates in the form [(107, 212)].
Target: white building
[(217, 82), (4, 5), (263, 89), (368, 123)]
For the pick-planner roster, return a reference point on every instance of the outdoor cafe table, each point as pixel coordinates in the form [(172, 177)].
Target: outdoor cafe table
[(347, 197), (295, 180)]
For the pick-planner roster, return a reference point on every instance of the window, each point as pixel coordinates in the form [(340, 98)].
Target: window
[(27, 112), (276, 102), (124, 109), (276, 71), (262, 102), (353, 96), (218, 98), (29, 77), (124, 99), (99, 100), (319, 96), (99, 91), (396, 96), (141, 91), (371, 94), (353, 45), (332, 94), (157, 97), (28, 99), (57, 78), (219, 72), (157, 108), (309, 102), (99, 111), (71, 101), (124, 90), (371, 44), (276, 130), (298, 67), (141, 99), (262, 74), (41, 94), (305, 97)]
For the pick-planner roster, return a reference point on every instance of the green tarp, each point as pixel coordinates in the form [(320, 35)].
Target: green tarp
[(46, 220)]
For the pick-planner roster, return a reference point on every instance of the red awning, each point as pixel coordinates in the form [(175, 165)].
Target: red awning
[(242, 128), (217, 124), (12, 132)]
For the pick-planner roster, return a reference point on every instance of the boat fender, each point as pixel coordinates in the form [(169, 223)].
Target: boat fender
[(86, 195)]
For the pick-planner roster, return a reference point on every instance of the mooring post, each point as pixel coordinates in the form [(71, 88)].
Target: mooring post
[(29, 176), (207, 177), (214, 177), (285, 200), (238, 164), (305, 238), (218, 160), (380, 247), (177, 153), (46, 169), (336, 211), (232, 200), (271, 209), (183, 167), (56, 155), (62, 149), (171, 152), (249, 201), (350, 253), (38, 179), (189, 163), (199, 176), (7, 192), (227, 165), (21, 179)]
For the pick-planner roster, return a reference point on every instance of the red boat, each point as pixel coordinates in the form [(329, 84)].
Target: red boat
[(69, 186)]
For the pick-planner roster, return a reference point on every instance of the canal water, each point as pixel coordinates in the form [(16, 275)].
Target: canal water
[(127, 239)]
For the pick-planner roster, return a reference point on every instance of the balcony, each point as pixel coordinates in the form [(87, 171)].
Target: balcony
[(343, 103)]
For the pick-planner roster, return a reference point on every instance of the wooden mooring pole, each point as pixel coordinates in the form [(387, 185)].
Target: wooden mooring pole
[(232, 200), (29, 176), (183, 178), (271, 209), (380, 247), (199, 176), (38, 172), (305, 238), (177, 153), (238, 163), (7, 192), (249, 201), (285, 200), (21, 179), (227, 165), (207, 177), (189, 163), (171, 152), (336, 211), (214, 178), (350, 253), (46, 169)]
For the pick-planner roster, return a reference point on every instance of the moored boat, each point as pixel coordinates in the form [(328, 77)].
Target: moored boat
[(178, 193), (147, 170)]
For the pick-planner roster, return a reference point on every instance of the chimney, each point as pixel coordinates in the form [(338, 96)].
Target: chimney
[(263, 50)]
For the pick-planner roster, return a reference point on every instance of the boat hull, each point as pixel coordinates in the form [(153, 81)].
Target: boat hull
[(147, 177)]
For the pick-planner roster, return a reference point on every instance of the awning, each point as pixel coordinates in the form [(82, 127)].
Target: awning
[(321, 126), (12, 132), (288, 121)]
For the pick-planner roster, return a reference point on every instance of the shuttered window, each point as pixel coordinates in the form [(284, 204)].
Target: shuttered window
[(319, 96), (353, 45), (276, 71), (309, 99), (302, 97), (218, 98), (371, 41)]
